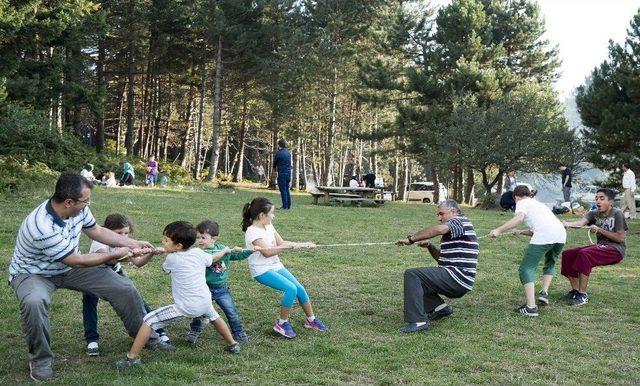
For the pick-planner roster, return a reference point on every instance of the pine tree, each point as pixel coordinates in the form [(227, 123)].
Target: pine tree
[(609, 104)]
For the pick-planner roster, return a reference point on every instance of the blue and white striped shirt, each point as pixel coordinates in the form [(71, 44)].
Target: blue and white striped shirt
[(45, 239), (459, 251)]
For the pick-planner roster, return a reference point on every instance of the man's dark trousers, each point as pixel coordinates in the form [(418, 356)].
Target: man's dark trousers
[(284, 182), (422, 290)]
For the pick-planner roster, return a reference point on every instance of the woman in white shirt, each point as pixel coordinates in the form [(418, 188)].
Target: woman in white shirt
[(266, 268), (548, 238)]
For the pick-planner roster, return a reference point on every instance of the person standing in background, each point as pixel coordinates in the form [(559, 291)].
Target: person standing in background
[(282, 165), (629, 186), (566, 182)]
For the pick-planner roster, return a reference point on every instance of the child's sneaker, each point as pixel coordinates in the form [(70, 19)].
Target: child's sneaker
[(316, 324), (233, 348), (579, 299), (543, 297), (528, 311), (569, 295), (241, 337), (92, 349), (128, 363), (284, 329), (192, 336)]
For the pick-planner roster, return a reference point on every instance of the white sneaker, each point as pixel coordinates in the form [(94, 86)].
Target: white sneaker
[(92, 349)]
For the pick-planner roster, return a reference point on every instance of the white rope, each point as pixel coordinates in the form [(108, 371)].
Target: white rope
[(353, 244), (339, 245), (588, 232)]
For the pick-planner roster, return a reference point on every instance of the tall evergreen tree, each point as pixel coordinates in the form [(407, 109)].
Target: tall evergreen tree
[(609, 104)]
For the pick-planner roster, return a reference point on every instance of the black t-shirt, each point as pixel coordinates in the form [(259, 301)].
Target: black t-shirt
[(369, 180), (566, 172)]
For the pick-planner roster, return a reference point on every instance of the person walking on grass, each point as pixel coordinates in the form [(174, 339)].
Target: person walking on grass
[(548, 237), (629, 185), (121, 225), (454, 276), (46, 257), (217, 279), (266, 268), (609, 225), (189, 289)]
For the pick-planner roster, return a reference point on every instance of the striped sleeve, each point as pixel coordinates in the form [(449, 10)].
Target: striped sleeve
[(456, 227), (88, 221)]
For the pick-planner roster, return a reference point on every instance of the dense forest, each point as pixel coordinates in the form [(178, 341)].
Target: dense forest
[(459, 94)]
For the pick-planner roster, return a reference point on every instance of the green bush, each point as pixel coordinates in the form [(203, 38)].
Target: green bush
[(25, 134), (19, 175)]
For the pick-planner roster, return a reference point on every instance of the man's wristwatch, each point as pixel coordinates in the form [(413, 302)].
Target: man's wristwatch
[(409, 238)]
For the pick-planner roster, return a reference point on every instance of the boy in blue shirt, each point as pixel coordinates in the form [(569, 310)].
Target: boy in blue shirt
[(217, 276)]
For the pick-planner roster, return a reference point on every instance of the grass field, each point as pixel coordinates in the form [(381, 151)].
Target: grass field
[(357, 291)]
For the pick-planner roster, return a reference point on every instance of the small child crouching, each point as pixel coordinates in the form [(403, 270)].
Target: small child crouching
[(189, 289)]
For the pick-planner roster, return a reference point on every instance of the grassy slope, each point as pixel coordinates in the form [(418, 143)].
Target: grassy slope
[(357, 291)]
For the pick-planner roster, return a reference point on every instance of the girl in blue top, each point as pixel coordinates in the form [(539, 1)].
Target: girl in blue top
[(266, 268)]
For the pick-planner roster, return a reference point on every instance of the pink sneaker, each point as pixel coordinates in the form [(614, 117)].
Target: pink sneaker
[(284, 329), (316, 324)]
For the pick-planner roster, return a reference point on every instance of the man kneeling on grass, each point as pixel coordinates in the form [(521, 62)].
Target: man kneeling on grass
[(453, 277), (189, 289), (609, 225)]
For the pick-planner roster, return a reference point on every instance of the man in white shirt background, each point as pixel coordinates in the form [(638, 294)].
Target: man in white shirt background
[(629, 186)]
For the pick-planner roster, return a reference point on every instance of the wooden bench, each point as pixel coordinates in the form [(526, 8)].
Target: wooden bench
[(353, 199), (316, 196)]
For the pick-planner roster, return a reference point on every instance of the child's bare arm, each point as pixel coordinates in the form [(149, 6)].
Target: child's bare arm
[(217, 256), (143, 256)]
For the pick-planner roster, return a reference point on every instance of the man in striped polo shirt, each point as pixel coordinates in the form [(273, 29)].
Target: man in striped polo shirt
[(46, 257), (453, 277)]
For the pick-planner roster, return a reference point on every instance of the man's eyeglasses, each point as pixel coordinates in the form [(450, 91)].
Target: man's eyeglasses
[(441, 213), (87, 201)]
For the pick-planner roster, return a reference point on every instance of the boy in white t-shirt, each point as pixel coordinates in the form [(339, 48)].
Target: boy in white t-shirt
[(548, 238), (191, 295)]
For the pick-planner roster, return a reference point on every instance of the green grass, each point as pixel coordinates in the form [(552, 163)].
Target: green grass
[(357, 291)]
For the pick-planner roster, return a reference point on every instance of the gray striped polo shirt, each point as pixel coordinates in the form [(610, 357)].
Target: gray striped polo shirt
[(45, 239)]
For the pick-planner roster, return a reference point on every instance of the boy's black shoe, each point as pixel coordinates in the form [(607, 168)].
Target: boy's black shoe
[(528, 311), (543, 297), (569, 295), (579, 300), (435, 315)]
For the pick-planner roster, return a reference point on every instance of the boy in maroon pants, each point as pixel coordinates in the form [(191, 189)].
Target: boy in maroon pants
[(609, 225)]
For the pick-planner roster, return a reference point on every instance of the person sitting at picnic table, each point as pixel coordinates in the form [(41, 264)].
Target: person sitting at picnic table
[(353, 182), (453, 277), (127, 174)]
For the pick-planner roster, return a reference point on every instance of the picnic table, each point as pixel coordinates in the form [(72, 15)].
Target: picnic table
[(346, 194)]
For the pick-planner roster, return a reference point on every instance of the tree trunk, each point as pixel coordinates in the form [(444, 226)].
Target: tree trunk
[(217, 114), (131, 78), (243, 129), (203, 83), (328, 157), (296, 161), (485, 180), (436, 185), (102, 92), (468, 187), (186, 139)]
